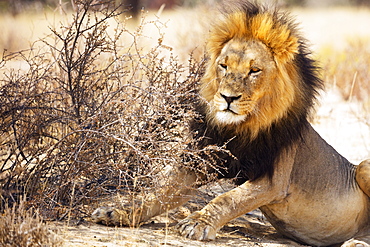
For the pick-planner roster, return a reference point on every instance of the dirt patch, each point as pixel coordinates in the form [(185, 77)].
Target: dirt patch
[(249, 230)]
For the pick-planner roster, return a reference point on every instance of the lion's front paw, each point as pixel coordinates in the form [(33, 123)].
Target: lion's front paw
[(110, 216), (355, 243), (194, 227)]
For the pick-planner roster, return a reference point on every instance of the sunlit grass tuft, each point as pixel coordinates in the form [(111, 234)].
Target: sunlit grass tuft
[(20, 226)]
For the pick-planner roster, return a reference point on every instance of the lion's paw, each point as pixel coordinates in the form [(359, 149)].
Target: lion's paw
[(355, 243), (194, 227), (110, 216)]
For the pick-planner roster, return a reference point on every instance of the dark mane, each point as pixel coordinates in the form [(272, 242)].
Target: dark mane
[(256, 156)]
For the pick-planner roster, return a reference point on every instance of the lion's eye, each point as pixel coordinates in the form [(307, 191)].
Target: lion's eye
[(222, 65), (254, 70)]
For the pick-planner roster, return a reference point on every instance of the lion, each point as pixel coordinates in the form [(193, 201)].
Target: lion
[(256, 97)]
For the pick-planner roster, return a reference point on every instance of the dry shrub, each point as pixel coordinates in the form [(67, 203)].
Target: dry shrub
[(94, 114), (22, 227)]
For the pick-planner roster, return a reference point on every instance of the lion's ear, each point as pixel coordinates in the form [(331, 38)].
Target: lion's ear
[(277, 36)]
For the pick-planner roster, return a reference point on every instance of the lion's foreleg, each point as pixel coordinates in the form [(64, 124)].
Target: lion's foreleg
[(357, 242), (175, 188), (204, 224)]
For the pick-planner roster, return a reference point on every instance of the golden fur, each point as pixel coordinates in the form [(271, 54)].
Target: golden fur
[(283, 44), (259, 87)]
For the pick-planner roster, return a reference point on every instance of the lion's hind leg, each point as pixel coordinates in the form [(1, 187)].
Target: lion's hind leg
[(178, 186), (363, 176), (363, 180)]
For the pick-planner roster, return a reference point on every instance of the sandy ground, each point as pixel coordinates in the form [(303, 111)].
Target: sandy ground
[(238, 233), (344, 125), (249, 230)]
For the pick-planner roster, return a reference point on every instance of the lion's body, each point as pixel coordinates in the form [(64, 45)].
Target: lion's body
[(323, 204), (256, 97)]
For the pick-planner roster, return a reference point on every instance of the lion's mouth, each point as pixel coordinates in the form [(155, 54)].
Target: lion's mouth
[(228, 116), (230, 111)]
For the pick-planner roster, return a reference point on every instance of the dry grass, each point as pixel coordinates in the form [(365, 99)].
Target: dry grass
[(348, 69), (20, 226), (348, 72), (340, 40)]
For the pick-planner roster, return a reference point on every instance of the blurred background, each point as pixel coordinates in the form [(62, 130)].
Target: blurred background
[(18, 6)]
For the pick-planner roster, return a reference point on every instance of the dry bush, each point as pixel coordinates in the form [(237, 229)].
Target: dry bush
[(93, 115), (22, 227)]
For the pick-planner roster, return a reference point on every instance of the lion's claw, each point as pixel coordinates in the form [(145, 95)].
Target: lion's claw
[(194, 228)]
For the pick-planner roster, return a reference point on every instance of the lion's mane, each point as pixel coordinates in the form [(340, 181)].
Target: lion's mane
[(257, 142)]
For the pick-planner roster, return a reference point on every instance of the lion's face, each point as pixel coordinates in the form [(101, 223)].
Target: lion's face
[(253, 77), (244, 74)]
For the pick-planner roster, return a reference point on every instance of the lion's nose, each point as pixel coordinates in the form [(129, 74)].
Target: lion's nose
[(230, 99)]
